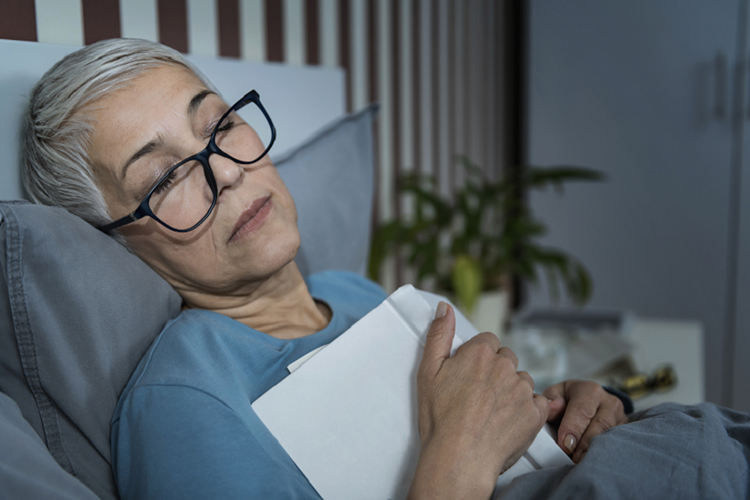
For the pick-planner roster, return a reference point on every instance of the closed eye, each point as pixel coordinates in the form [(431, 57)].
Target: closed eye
[(228, 125), (165, 182)]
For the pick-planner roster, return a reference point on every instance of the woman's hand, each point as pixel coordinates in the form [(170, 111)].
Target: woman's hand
[(584, 410), (477, 414)]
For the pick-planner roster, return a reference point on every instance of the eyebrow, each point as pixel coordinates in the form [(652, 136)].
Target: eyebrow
[(157, 143)]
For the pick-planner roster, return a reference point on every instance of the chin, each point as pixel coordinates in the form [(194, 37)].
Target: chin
[(280, 253)]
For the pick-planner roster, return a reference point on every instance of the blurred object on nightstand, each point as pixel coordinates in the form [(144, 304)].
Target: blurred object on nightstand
[(555, 345), (678, 343), (608, 350), (579, 320), (641, 384)]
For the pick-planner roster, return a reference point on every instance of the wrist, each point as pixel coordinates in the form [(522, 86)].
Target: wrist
[(446, 470)]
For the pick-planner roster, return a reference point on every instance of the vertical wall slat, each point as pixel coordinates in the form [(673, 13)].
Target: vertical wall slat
[(294, 31), (360, 54), (228, 12), (274, 10), (253, 29), (312, 37), (139, 19), (465, 72), (101, 20), (329, 32), (394, 143), (202, 25), (458, 108), (450, 102), (172, 16), (406, 85), (394, 83), (443, 99), (372, 59), (435, 94), (425, 92), (346, 16), (18, 20), (59, 21), (498, 90), (474, 86), (490, 90), (416, 85)]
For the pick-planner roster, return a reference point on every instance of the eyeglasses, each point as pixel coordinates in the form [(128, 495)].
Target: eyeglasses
[(184, 197)]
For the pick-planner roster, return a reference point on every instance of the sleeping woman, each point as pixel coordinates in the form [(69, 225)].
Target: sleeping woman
[(128, 136)]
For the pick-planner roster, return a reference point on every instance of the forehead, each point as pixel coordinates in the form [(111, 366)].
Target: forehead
[(161, 87), (152, 104)]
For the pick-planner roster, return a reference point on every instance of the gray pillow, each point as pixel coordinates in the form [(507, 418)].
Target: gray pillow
[(330, 177), (27, 470), (77, 310)]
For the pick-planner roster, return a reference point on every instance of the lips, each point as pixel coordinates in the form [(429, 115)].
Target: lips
[(252, 217)]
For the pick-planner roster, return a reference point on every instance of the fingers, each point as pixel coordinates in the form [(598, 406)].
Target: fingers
[(507, 352), (437, 347), (604, 419), (589, 411), (579, 412), (485, 339), (527, 378), (556, 396), (542, 404)]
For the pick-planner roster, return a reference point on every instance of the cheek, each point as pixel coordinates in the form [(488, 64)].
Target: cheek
[(284, 198), (201, 263)]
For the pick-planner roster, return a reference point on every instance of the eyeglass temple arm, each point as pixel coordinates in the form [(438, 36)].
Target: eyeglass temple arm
[(132, 217)]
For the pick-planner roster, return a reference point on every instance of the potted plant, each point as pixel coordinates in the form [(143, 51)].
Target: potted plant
[(480, 236)]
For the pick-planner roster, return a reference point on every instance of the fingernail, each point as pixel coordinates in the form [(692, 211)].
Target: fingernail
[(442, 310), (570, 442)]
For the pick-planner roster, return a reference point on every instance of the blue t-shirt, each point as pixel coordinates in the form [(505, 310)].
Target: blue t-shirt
[(184, 428)]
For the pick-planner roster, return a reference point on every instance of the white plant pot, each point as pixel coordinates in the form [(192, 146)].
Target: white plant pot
[(491, 312)]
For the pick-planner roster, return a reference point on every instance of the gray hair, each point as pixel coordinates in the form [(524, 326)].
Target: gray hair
[(55, 135)]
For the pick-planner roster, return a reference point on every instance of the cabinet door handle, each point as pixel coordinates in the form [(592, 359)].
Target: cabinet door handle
[(720, 85)]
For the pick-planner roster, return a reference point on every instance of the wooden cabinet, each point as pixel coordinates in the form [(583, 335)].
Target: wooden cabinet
[(654, 94)]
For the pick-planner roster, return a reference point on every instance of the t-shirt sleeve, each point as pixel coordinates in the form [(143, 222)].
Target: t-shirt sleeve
[(182, 443)]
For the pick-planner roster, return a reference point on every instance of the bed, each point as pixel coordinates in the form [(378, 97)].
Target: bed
[(74, 320), (77, 310)]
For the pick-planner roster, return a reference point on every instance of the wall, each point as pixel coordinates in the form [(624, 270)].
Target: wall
[(433, 65), (650, 93)]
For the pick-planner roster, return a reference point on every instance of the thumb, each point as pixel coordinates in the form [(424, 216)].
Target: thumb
[(439, 339)]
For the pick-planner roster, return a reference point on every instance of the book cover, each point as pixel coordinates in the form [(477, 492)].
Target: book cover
[(347, 415)]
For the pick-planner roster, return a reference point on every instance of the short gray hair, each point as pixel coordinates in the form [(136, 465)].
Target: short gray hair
[(55, 135)]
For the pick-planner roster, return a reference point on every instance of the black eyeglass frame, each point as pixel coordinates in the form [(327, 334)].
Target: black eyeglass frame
[(202, 157)]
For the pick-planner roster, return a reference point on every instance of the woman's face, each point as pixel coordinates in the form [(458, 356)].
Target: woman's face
[(162, 117)]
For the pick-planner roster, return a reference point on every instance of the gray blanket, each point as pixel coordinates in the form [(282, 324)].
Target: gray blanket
[(669, 451)]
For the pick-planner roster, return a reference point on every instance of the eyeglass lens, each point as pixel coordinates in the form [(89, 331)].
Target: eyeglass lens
[(184, 197)]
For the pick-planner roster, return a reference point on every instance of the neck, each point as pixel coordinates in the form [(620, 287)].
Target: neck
[(280, 306)]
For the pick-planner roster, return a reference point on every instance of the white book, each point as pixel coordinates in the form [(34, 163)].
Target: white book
[(347, 415)]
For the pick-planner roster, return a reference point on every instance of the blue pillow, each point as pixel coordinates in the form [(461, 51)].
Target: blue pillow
[(330, 177)]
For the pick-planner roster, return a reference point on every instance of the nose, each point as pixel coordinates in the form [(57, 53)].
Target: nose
[(226, 172)]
